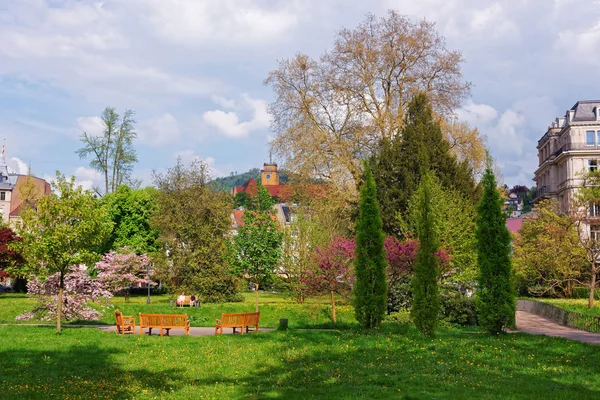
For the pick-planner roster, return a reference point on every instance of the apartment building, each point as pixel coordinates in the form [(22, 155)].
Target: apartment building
[(570, 146)]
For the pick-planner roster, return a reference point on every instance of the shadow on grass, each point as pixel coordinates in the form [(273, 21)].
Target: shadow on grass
[(399, 364), (86, 371)]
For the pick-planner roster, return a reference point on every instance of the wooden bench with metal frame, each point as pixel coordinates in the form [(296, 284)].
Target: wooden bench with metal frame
[(164, 321), (125, 323), (243, 321)]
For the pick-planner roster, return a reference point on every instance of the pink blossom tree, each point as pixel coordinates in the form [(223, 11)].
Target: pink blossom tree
[(334, 272), (117, 271), (79, 289)]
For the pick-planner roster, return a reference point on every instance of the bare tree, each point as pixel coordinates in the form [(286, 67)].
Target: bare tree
[(112, 152), (331, 113)]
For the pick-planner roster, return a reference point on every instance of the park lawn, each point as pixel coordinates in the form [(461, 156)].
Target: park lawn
[(577, 305), (315, 313), (393, 363)]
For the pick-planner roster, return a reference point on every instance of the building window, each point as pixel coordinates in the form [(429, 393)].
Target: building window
[(2, 195), (593, 165), (590, 138), (595, 209), (595, 232)]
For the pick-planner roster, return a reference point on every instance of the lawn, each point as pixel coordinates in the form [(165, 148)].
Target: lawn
[(315, 313), (395, 362)]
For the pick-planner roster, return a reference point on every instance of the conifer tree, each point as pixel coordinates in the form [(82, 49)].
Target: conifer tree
[(419, 146), (370, 290), (426, 302), (495, 295)]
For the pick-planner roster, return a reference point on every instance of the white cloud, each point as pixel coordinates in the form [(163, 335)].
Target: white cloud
[(159, 131), (93, 126), (187, 156), (88, 173), (229, 123), (17, 166)]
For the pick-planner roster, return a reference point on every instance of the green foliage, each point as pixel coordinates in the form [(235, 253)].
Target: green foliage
[(256, 248), (131, 213), (455, 218), (495, 295), (263, 201), (194, 221), (242, 199), (548, 259), (459, 309), (398, 165), (62, 231), (234, 179), (370, 289), (426, 302)]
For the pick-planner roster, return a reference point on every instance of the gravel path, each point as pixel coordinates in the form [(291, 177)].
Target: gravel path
[(531, 323)]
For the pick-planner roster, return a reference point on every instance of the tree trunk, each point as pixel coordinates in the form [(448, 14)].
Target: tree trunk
[(256, 296), (333, 308), (592, 287), (60, 303)]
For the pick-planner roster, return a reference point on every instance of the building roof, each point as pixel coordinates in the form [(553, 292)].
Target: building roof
[(238, 217), (514, 224), (585, 110)]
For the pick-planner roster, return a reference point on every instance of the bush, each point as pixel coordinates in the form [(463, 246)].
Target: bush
[(399, 297), (582, 292), (399, 317), (459, 309)]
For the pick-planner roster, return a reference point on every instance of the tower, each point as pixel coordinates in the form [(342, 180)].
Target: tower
[(269, 174)]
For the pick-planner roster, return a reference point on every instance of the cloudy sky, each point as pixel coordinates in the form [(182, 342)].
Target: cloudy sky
[(193, 71)]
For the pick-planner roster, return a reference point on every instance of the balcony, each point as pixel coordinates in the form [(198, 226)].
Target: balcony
[(575, 146), (544, 192)]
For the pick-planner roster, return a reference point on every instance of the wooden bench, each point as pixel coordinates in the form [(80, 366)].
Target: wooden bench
[(164, 321), (125, 323), (243, 321), (186, 301)]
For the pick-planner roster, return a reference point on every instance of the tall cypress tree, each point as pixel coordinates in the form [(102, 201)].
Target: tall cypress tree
[(495, 296), (419, 146), (370, 289), (426, 302)]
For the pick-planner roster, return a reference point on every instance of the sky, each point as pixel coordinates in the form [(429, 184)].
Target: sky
[(193, 72)]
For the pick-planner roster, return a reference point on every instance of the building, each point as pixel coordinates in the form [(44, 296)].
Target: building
[(570, 146), (11, 192)]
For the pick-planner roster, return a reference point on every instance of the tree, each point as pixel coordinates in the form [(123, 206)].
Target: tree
[(370, 290), (333, 274), (584, 212), (194, 222), (63, 232), (112, 152), (330, 113), (467, 144), (495, 296), (242, 199), (79, 290), (10, 258), (397, 167), (455, 217), (300, 242), (257, 246), (548, 258), (131, 212), (117, 271), (426, 299)]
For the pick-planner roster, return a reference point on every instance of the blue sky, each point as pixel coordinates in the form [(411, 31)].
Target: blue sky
[(193, 71)]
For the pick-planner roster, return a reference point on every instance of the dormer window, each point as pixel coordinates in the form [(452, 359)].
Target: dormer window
[(597, 113)]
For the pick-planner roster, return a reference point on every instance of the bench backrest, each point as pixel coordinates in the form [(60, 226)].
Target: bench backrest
[(163, 319), (119, 317), (233, 319), (252, 318)]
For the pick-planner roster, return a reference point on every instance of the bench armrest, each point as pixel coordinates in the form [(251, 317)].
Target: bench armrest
[(218, 322)]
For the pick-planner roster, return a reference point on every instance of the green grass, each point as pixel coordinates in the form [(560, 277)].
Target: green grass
[(577, 305), (394, 363), (315, 313)]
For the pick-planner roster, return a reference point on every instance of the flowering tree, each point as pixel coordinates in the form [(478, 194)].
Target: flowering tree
[(334, 270), (116, 271), (79, 289)]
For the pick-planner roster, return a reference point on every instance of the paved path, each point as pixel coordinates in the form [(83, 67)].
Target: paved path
[(531, 323)]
